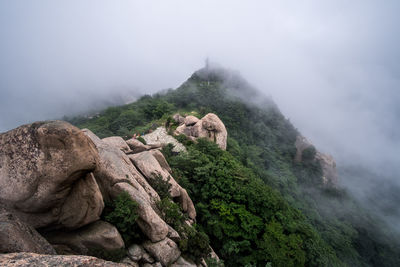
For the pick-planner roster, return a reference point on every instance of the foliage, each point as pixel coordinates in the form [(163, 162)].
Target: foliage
[(247, 221), (122, 213), (161, 186), (141, 139), (308, 154)]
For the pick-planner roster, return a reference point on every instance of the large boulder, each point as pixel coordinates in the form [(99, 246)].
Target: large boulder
[(17, 236), (98, 235), (116, 174), (41, 165), (32, 259), (210, 127), (165, 251)]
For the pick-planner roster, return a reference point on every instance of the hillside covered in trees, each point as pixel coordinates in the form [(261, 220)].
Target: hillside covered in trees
[(255, 203)]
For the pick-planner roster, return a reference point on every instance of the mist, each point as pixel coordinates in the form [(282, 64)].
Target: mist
[(332, 67)]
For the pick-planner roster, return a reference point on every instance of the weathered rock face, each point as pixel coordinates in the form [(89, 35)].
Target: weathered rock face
[(160, 137), (327, 162), (116, 174), (17, 236), (40, 164), (210, 126), (32, 259), (151, 169), (84, 198), (118, 142), (136, 146), (97, 235), (165, 251), (190, 120)]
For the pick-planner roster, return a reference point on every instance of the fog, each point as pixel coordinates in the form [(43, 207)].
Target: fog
[(333, 67)]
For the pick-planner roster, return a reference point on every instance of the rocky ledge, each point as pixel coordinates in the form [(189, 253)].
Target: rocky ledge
[(55, 178)]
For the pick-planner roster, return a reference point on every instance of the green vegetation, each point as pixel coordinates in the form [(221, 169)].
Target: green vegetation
[(247, 221), (122, 213), (194, 242), (255, 203)]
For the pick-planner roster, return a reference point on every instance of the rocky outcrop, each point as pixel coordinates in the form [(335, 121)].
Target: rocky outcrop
[(210, 126), (98, 235), (160, 137), (327, 162), (40, 165), (32, 259), (150, 167), (17, 236), (116, 174), (56, 177)]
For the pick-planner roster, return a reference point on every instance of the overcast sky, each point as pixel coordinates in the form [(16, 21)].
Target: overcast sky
[(333, 67)]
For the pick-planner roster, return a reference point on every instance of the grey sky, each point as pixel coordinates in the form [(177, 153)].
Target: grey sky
[(333, 67)]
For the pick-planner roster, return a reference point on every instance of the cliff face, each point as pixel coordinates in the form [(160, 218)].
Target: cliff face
[(327, 162), (55, 178)]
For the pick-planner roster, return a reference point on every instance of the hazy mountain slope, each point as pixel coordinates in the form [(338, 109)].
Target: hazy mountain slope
[(262, 143)]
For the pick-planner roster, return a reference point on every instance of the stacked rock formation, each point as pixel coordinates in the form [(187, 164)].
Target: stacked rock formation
[(210, 126), (56, 177)]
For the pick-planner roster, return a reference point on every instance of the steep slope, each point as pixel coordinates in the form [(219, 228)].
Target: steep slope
[(300, 217)]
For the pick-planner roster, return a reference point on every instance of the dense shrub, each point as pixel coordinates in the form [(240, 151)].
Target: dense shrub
[(122, 213), (308, 154)]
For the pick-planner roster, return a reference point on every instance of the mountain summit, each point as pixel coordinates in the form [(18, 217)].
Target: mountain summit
[(208, 174)]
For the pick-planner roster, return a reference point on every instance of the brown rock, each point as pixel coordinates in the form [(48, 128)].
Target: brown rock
[(216, 130), (31, 259), (178, 118), (116, 174), (173, 235), (97, 235), (210, 126), (136, 146), (191, 120), (40, 164), (118, 142), (151, 169), (85, 198), (160, 136), (165, 251), (161, 160), (16, 236)]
